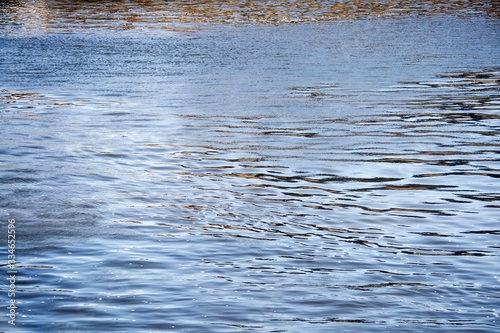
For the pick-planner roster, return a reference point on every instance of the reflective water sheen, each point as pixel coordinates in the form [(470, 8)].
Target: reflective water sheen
[(250, 177)]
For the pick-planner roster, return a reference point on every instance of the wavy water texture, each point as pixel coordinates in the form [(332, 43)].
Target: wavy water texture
[(242, 178), (174, 15), (344, 222)]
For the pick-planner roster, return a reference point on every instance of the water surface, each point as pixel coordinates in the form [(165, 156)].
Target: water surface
[(250, 177)]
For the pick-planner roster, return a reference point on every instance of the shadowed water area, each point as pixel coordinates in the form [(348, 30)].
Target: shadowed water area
[(251, 166)]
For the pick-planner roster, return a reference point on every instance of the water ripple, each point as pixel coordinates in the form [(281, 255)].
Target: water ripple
[(242, 182)]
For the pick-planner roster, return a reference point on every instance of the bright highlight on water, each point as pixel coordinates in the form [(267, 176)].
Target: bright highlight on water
[(249, 166)]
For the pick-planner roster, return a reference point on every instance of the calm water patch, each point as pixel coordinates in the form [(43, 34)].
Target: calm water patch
[(340, 176)]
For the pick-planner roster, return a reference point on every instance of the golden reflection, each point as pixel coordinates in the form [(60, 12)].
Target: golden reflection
[(34, 15), (153, 14)]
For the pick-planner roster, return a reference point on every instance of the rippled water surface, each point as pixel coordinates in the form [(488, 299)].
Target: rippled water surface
[(185, 167)]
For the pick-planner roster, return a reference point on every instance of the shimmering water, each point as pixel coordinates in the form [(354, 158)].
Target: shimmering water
[(176, 176)]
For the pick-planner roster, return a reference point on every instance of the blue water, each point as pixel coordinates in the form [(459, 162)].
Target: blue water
[(339, 176)]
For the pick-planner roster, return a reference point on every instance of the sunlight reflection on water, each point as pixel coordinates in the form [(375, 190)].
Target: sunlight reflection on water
[(293, 178)]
